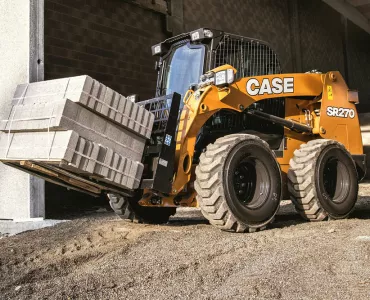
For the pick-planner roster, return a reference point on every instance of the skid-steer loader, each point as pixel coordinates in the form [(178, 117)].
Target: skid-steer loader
[(245, 135), (234, 135)]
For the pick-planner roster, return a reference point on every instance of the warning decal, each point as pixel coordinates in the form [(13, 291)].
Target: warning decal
[(330, 93)]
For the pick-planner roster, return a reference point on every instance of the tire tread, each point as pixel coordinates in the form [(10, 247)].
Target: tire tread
[(209, 188), (301, 181), (125, 210)]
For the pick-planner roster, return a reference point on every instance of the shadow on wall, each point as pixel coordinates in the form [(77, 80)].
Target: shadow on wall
[(61, 203), (365, 132)]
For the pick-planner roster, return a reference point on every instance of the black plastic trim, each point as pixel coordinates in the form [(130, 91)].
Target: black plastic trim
[(360, 161), (163, 176)]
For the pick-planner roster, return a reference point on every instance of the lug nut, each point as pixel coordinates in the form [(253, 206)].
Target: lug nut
[(243, 184), (241, 192), (241, 176)]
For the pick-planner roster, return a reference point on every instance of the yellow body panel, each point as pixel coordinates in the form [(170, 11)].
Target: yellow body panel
[(326, 90)]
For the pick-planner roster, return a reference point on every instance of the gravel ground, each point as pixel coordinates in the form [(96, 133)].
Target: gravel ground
[(100, 257)]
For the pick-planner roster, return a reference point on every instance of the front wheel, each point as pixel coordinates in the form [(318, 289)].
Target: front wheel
[(130, 210), (238, 183), (323, 181)]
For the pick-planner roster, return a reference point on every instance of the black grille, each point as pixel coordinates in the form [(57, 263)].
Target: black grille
[(160, 107), (249, 57)]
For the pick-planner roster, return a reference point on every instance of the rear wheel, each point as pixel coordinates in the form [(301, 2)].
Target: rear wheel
[(130, 210), (238, 183), (323, 181)]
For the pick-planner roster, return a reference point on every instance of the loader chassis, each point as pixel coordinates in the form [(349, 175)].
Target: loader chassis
[(319, 103), (305, 85)]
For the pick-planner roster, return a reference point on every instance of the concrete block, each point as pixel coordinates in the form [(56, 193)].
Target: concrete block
[(131, 184), (86, 155), (93, 97), (82, 89), (119, 170), (139, 120), (89, 93), (114, 169), (121, 167), (145, 122), (38, 92), (126, 171), (120, 110), (107, 163), (101, 157), (127, 112), (67, 115), (107, 102), (93, 158), (134, 171), (76, 160), (150, 125), (73, 153), (114, 108), (38, 146), (133, 117)]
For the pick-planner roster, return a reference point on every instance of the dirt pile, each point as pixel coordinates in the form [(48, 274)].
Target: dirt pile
[(100, 257)]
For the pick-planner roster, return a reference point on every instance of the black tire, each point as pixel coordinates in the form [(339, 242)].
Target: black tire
[(238, 183), (323, 181), (129, 210)]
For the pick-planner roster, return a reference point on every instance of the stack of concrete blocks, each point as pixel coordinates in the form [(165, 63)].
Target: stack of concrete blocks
[(80, 125)]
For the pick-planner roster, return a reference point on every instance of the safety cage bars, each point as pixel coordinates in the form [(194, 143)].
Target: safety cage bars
[(160, 107), (248, 57)]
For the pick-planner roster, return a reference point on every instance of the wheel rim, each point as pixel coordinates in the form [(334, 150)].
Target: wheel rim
[(336, 180), (251, 182)]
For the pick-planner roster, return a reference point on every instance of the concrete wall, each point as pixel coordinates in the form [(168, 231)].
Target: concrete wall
[(365, 132), (358, 42), (267, 20), (321, 37), (17, 189), (109, 40), (305, 34)]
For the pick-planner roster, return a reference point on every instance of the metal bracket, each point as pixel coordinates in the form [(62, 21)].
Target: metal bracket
[(163, 175)]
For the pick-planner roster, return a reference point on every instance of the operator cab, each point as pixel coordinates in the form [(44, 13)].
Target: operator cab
[(184, 58)]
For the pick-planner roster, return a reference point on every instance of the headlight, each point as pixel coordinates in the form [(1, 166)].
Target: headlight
[(230, 76), (220, 78), (201, 34), (159, 49), (224, 77), (195, 36), (208, 33)]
